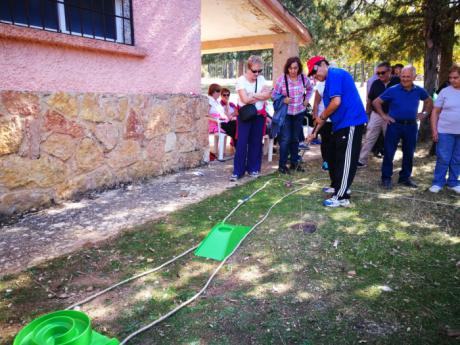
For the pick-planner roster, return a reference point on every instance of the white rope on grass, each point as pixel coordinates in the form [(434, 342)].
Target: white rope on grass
[(190, 300), (90, 298)]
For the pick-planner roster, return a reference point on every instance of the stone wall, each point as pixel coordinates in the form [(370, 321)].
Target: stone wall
[(54, 145)]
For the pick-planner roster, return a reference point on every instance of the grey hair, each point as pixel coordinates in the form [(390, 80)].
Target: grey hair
[(411, 69), (255, 60)]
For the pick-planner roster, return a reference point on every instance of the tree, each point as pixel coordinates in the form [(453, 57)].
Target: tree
[(406, 30)]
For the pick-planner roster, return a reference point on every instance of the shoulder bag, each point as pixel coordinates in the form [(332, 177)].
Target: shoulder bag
[(248, 112)]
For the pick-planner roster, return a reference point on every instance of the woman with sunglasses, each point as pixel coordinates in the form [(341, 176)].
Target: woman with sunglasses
[(231, 111), (251, 89), (297, 89)]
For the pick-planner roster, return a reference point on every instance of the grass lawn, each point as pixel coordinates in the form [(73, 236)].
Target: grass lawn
[(384, 271)]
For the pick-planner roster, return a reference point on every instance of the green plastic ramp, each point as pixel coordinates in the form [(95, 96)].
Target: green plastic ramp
[(65, 327), (221, 241)]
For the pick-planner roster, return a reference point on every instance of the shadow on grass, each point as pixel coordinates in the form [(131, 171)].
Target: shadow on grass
[(390, 279)]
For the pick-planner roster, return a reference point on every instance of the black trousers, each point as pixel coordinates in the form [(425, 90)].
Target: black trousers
[(346, 145), (327, 148)]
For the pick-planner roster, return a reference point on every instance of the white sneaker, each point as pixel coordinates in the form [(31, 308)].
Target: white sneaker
[(435, 189), (456, 189), (333, 202)]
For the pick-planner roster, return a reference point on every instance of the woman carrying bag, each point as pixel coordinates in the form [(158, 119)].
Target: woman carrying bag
[(252, 94), (297, 89)]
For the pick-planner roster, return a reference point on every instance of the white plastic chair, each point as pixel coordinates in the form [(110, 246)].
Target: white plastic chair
[(221, 143), (268, 147)]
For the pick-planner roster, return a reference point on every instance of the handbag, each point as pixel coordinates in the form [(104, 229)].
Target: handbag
[(248, 112)]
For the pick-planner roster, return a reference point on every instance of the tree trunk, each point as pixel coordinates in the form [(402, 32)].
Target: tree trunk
[(432, 51), (240, 67), (447, 49)]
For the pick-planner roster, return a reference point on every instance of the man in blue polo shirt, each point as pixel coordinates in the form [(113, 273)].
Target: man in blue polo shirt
[(346, 111), (403, 100)]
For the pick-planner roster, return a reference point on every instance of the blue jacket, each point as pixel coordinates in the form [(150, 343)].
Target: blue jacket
[(279, 116)]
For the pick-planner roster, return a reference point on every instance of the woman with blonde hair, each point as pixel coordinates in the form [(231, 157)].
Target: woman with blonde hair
[(251, 90)]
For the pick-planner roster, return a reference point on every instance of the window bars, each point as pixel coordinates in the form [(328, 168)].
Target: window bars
[(108, 20)]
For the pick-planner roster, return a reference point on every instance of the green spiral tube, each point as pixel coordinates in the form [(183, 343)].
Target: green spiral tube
[(65, 327)]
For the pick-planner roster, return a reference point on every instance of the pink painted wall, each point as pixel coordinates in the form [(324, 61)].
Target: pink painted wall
[(167, 31)]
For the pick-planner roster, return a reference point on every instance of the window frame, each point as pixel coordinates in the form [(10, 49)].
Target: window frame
[(119, 18)]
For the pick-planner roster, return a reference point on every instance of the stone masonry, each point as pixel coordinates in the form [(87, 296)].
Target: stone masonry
[(55, 145)]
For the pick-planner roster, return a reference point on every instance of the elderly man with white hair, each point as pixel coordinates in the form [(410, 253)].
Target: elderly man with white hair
[(403, 100)]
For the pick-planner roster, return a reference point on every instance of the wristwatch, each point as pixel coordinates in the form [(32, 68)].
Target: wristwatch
[(425, 113)]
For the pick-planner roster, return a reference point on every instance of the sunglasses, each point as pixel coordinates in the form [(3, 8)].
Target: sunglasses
[(315, 68), (381, 73), (256, 71), (225, 94), (217, 91)]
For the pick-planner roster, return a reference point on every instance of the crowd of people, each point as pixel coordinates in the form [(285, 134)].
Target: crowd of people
[(390, 115)]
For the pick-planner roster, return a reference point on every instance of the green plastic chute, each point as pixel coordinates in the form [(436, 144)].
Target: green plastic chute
[(65, 327), (221, 241)]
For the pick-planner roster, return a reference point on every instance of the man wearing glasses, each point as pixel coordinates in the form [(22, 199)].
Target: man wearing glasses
[(346, 111), (376, 123)]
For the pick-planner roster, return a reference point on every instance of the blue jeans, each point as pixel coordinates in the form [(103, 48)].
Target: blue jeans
[(289, 139), (395, 132), (448, 158)]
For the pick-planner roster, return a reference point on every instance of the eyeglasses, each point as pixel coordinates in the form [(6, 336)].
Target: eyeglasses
[(256, 71), (381, 73), (315, 68), (225, 94), (217, 91)]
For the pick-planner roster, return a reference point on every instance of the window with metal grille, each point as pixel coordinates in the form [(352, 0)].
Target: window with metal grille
[(109, 20)]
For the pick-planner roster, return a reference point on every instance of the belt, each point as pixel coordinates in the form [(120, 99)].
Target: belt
[(406, 122)]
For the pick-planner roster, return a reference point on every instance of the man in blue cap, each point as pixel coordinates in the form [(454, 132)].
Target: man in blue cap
[(401, 119), (346, 111)]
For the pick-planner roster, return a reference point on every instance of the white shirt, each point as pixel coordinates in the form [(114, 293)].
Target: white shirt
[(320, 88), (449, 118), (216, 107), (243, 83)]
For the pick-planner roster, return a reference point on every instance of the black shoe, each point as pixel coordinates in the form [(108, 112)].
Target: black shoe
[(283, 170), (386, 184), (296, 167), (408, 183)]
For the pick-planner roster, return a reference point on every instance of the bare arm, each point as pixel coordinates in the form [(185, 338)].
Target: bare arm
[(263, 95), (434, 123), (321, 120), (377, 104), (245, 98), (368, 106), (427, 107), (316, 102), (333, 105)]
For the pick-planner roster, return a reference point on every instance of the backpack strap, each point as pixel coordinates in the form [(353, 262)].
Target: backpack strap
[(304, 88), (287, 86)]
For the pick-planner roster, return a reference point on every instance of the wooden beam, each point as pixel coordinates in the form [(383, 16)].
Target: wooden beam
[(241, 43)]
